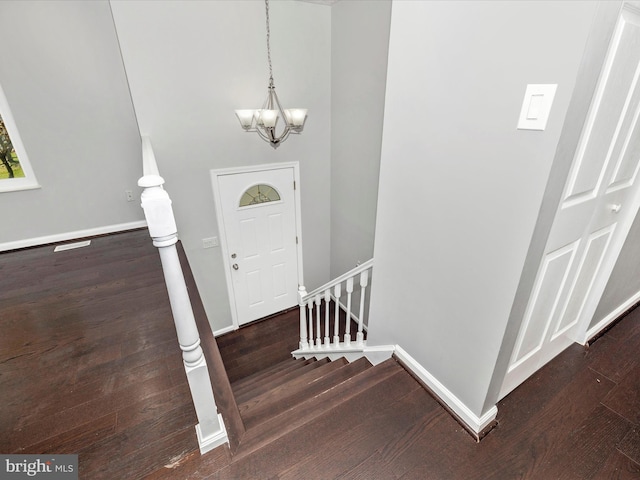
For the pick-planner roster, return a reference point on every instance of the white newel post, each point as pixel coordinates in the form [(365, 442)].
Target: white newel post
[(162, 228)]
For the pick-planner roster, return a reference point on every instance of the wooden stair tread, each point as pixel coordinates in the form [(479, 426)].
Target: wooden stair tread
[(299, 382), (286, 396), (285, 364), (261, 344), (323, 430), (382, 431), (255, 360), (389, 372), (272, 381)]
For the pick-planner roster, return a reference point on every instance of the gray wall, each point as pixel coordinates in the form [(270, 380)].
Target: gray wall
[(190, 64), (63, 77), (359, 47), (460, 186)]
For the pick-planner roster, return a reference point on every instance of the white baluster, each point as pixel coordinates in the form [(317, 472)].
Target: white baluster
[(327, 302), (156, 204), (318, 333), (347, 331), (336, 325), (310, 316), (303, 317), (364, 281)]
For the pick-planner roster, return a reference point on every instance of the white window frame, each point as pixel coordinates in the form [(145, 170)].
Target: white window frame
[(29, 181)]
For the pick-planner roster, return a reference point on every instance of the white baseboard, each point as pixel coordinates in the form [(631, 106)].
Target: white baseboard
[(475, 423), (222, 331), (65, 237), (602, 324)]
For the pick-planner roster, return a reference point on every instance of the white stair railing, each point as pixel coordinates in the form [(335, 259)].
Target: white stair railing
[(156, 204), (312, 304)]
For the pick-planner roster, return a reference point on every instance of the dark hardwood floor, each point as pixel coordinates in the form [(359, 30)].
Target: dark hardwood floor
[(89, 360), (90, 364)]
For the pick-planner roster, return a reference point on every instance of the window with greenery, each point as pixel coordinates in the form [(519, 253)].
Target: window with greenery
[(15, 170)]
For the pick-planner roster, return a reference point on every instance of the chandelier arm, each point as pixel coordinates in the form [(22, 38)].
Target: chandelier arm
[(284, 135), (276, 100), (263, 135)]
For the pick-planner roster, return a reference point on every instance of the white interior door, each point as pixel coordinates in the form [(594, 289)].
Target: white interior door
[(259, 222), (598, 206)]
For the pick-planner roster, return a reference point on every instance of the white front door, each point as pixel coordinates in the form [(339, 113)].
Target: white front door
[(598, 206), (260, 240)]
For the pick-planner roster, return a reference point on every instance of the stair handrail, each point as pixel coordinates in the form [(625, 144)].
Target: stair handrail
[(333, 289), (332, 283)]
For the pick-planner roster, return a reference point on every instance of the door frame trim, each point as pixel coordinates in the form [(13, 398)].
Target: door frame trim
[(222, 234)]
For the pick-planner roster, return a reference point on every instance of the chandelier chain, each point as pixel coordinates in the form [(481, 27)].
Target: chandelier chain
[(266, 2)]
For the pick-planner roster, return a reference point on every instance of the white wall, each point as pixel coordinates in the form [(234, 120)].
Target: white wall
[(62, 74), (460, 186), (190, 64), (359, 47)]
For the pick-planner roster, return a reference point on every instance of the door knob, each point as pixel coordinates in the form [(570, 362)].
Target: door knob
[(615, 208), (235, 266)]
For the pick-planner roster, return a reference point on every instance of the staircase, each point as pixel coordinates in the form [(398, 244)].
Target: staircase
[(272, 403), (293, 393), (282, 414)]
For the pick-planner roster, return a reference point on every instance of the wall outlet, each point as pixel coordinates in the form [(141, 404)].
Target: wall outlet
[(129, 195), (210, 242)]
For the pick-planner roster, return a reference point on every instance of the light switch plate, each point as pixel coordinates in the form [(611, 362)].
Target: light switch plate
[(210, 242), (536, 107)]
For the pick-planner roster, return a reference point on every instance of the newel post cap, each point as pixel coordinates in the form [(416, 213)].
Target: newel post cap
[(149, 181)]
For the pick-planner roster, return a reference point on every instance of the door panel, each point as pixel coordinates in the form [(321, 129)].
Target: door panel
[(591, 261), (249, 238), (595, 214), (254, 288), (547, 294), (276, 233), (610, 112), (279, 280)]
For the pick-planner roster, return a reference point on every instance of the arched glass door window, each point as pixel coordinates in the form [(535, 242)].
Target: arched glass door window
[(257, 194)]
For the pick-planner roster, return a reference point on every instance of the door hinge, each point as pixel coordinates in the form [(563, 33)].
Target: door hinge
[(294, 184), (296, 240)]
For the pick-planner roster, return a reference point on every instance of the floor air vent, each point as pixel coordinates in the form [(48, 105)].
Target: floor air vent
[(71, 246)]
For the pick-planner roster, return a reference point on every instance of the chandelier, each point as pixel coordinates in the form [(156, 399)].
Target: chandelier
[(264, 120)]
